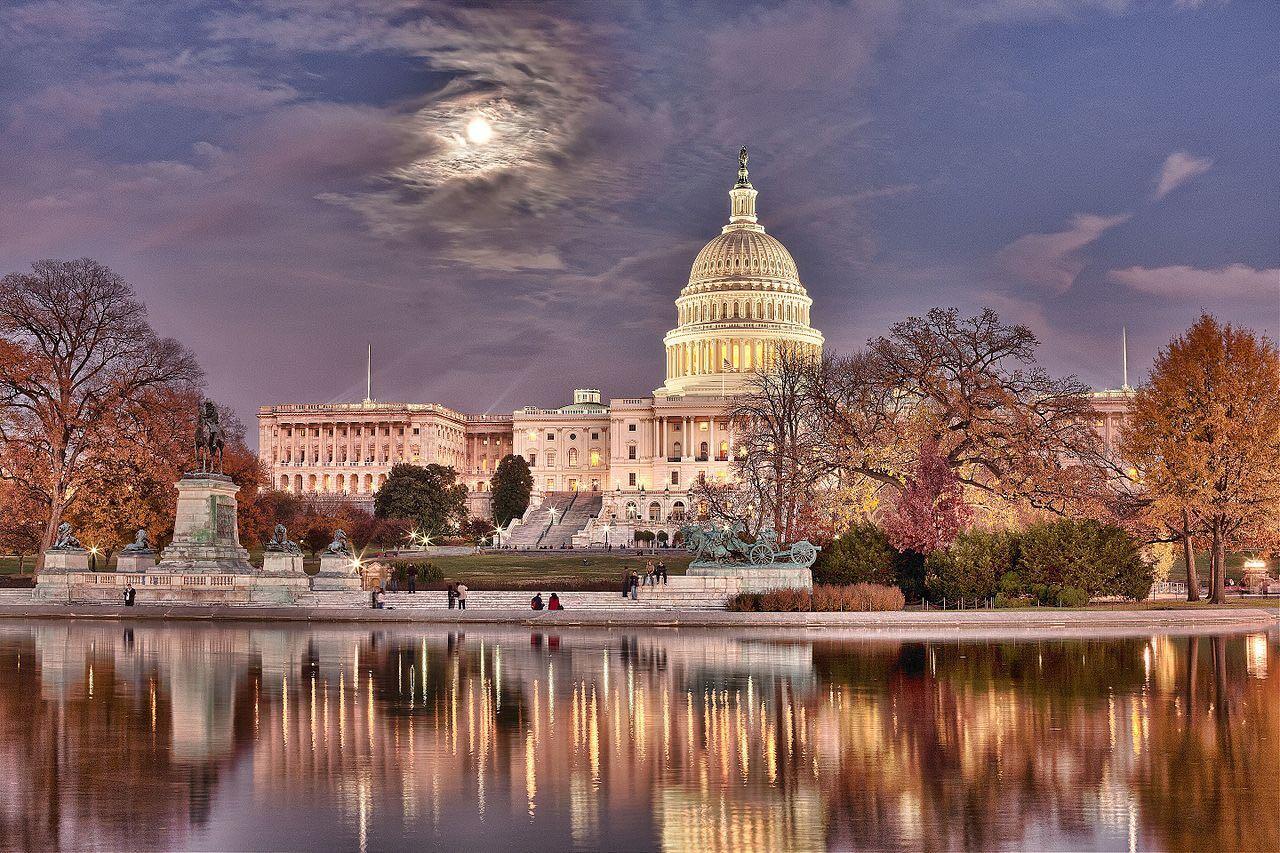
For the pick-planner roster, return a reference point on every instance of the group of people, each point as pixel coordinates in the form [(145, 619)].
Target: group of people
[(456, 592), (552, 603), (653, 574)]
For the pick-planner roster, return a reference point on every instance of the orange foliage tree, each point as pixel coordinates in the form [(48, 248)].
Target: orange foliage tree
[(78, 362), (1204, 438)]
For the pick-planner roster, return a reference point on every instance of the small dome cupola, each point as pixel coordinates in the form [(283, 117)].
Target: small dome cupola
[(742, 198)]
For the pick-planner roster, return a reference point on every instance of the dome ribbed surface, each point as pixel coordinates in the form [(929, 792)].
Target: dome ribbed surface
[(740, 255)]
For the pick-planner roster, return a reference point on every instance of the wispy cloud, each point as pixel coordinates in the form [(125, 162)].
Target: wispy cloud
[(1180, 167), (1232, 281), (1053, 260)]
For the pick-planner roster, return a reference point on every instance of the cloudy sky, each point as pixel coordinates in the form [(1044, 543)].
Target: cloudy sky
[(285, 180)]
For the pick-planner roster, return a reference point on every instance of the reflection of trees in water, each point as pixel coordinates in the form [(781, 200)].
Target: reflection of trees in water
[(717, 742), (966, 745), (1213, 768)]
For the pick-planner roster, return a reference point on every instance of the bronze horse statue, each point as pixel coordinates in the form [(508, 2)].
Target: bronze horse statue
[(210, 440)]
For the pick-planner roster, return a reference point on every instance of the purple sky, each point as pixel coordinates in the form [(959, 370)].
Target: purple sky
[(285, 180)]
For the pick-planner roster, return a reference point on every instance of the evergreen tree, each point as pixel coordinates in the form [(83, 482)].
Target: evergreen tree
[(512, 484), (430, 496)]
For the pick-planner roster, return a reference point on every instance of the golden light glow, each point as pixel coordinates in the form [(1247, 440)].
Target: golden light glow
[(479, 131)]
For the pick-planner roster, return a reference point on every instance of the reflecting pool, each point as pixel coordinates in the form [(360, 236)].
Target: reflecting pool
[(238, 736)]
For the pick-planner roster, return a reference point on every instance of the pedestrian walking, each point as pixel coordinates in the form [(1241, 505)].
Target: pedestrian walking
[(462, 596)]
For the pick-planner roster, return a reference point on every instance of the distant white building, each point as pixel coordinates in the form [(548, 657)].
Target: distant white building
[(600, 469)]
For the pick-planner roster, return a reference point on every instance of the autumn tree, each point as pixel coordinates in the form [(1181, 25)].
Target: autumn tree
[(971, 388), (78, 359), (930, 510), (510, 488), (1204, 440), (21, 521), (780, 462)]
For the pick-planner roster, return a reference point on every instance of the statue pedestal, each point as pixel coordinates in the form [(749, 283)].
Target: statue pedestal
[(756, 578), (135, 561), (54, 583), (337, 572), (280, 563), (205, 537)]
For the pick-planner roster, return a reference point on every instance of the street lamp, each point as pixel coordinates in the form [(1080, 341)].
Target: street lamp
[(93, 558)]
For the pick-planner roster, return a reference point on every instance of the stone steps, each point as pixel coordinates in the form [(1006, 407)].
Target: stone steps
[(16, 596), (335, 598)]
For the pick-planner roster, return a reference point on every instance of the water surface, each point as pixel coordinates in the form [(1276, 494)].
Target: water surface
[(219, 737)]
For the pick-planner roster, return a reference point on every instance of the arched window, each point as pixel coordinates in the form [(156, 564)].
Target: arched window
[(340, 481), (311, 483), (723, 454), (702, 451), (633, 511), (655, 511), (573, 457), (677, 511), (368, 482), (297, 482), (771, 310), (284, 482)]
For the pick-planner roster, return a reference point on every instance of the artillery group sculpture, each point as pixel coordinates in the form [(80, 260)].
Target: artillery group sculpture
[(725, 547)]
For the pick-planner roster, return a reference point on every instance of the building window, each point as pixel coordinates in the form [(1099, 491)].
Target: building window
[(533, 460), (573, 436), (631, 451), (631, 478), (655, 512), (633, 511), (677, 511), (551, 459), (573, 457), (551, 484), (551, 436), (595, 458), (595, 436), (631, 427), (675, 478)]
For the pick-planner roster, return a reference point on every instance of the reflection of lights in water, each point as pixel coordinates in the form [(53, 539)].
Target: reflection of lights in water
[(1256, 655)]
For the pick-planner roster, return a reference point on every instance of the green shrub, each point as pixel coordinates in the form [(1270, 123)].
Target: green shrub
[(1073, 596), (862, 554), (1098, 559), (428, 572), (975, 566), (1003, 600)]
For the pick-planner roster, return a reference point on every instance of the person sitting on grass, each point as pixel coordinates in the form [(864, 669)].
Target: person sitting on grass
[(536, 602), (554, 603)]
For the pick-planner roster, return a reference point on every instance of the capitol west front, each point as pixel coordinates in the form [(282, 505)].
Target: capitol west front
[(631, 462)]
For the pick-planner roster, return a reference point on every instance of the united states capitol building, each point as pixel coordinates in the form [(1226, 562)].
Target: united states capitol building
[(601, 470), (627, 462)]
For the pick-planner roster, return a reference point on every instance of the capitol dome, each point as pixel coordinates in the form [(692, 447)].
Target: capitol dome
[(743, 300)]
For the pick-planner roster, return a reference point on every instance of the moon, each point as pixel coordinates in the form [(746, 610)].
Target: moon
[(479, 131)]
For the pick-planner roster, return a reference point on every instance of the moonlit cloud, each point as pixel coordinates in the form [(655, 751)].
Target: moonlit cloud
[(1180, 167), (1183, 282), (1054, 260), (299, 173)]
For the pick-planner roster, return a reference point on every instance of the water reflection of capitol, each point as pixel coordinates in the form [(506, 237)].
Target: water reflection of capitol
[(606, 739)]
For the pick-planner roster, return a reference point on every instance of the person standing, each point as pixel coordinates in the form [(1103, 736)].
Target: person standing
[(451, 589), (635, 585), (462, 596), (626, 582), (413, 579), (129, 593), (662, 572)]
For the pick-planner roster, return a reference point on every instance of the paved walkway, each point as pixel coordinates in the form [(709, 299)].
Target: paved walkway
[(1027, 624)]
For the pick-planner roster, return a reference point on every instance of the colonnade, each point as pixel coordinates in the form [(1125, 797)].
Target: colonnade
[(712, 309), (743, 355)]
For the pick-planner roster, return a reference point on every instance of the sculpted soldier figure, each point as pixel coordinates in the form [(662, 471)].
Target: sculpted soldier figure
[(210, 439)]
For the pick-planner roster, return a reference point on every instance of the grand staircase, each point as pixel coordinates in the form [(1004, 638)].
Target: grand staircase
[(572, 512)]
